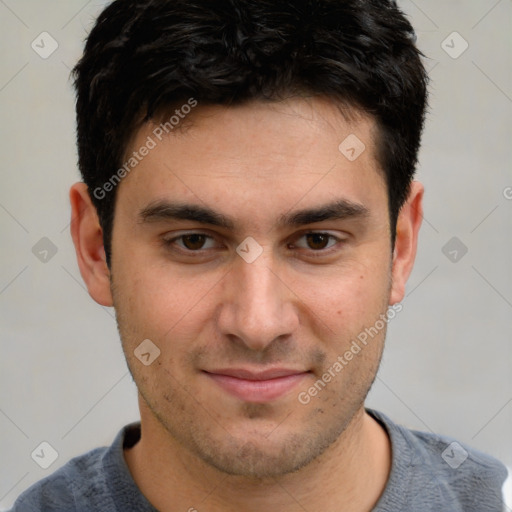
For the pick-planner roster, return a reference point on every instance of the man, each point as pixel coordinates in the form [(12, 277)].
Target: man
[(249, 209)]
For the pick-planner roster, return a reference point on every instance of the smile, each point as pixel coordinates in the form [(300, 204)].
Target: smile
[(258, 387)]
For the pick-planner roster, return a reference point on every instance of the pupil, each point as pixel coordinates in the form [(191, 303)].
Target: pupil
[(317, 240), (193, 241)]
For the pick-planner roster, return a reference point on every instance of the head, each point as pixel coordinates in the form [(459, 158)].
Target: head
[(296, 124)]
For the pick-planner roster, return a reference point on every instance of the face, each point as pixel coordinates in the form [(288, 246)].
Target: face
[(252, 253)]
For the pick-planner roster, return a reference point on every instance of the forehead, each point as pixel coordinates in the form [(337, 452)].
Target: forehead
[(256, 157)]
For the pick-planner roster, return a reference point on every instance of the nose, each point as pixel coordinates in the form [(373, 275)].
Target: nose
[(258, 307)]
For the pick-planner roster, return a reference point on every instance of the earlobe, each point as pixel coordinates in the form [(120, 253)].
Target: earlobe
[(406, 241), (88, 240)]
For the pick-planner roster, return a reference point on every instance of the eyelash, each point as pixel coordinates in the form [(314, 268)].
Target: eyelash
[(200, 252)]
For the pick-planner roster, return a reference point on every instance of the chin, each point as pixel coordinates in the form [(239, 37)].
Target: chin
[(263, 458)]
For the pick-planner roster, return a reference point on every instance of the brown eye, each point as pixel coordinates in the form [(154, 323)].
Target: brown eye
[(317, 241), (193, 242)]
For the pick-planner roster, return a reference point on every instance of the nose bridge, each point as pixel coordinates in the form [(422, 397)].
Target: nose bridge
[(259, 290), (258, 309)]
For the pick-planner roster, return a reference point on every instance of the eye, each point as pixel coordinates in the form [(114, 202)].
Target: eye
[(192, 242), (317, 241)]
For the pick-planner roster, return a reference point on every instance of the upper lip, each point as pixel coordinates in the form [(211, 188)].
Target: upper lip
[(246, 374)]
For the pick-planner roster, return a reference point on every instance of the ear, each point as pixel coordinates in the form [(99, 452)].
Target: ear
[(88, 240), (406, 241)]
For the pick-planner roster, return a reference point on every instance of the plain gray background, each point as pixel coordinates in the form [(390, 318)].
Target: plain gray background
[(447, 367)]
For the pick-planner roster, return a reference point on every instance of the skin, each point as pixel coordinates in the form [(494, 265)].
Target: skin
[(298, 305)]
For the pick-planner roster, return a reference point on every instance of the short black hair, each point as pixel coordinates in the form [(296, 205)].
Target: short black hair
[(145, 56)]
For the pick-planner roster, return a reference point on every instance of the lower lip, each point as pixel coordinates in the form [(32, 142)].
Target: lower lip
[(257, 390)]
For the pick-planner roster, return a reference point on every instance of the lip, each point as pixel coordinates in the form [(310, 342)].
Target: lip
[(257, 386)]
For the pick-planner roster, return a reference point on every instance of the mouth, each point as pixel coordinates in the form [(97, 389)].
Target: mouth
[(257, 386)]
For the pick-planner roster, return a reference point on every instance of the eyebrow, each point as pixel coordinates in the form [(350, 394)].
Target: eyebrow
[(165, 211)]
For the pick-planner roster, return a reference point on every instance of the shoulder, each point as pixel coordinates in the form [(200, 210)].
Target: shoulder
[(58, 491), (96, 480), (436, 472)]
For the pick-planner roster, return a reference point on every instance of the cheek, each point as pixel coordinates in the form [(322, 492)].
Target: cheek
[(350, 307), (162, 305), (348, 296)]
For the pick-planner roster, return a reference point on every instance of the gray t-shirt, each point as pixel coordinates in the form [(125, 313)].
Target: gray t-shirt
[(429, 473)]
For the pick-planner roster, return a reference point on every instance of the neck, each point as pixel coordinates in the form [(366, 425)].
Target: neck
[(350, 475)]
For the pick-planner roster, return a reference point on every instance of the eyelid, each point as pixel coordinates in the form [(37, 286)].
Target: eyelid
[(319, 252), (170, 241)]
